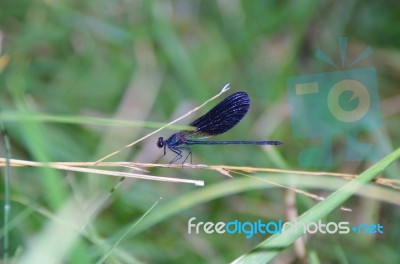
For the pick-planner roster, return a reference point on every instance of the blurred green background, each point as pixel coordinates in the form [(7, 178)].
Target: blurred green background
[(154, 61)]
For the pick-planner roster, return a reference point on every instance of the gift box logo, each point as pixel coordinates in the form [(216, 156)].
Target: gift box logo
[(330, 105)]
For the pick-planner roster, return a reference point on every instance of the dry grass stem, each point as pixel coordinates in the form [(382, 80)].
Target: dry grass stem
[(223, 169)]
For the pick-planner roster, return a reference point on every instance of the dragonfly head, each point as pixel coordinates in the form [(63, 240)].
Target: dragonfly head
[(160, 142)]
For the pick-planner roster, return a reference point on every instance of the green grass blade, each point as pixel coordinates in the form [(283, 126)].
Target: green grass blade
[(105, 256), (7, 206), (271, 247), (18, 116)]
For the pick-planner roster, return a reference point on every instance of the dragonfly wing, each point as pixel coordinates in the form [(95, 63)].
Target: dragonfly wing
[(223, 116), (194, 134)]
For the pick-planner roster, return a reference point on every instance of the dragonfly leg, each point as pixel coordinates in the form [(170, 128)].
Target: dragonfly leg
[(178, 152), (189, 150), (190, 154), (162, 155)]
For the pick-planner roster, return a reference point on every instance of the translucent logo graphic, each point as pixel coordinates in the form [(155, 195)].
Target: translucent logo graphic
[(331, 105)]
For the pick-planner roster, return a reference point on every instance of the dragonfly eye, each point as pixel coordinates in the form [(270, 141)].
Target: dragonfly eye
[(160, 142)]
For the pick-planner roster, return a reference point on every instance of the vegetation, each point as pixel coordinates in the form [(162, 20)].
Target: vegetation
[(82, 79)]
